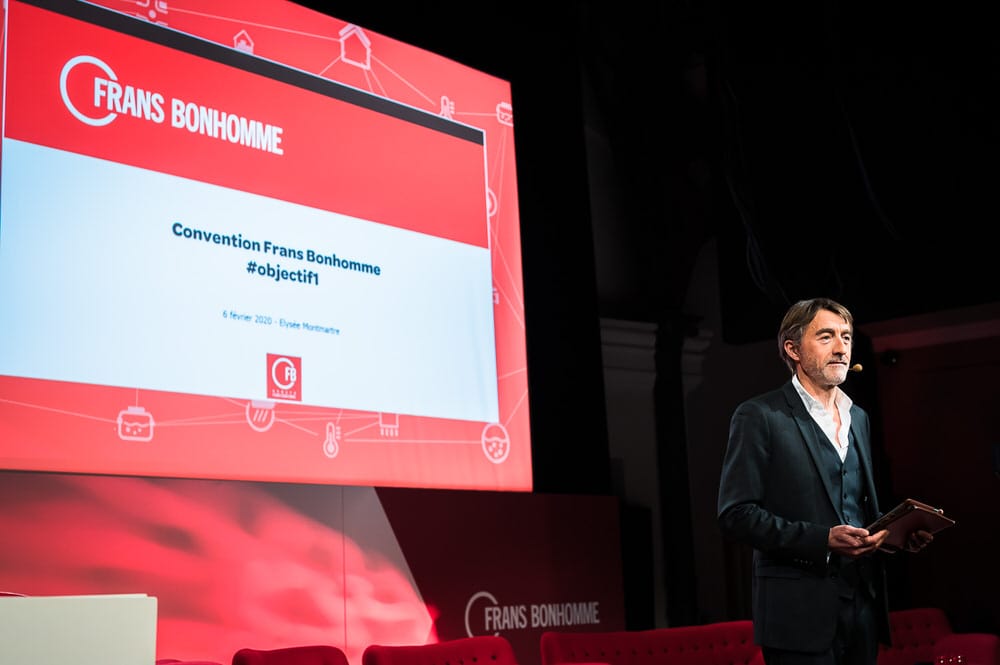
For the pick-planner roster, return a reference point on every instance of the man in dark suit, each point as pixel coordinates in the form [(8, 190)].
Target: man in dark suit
[(797, 485)]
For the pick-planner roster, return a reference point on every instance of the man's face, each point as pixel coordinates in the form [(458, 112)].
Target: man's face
[(825, 352)]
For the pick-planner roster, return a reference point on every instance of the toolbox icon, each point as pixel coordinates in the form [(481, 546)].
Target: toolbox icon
[(135, 424)]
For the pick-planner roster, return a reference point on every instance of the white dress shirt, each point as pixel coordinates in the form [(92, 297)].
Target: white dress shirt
[(839, 440)]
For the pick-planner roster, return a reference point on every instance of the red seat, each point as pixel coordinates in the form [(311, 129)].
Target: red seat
[(924, 634), (313, 654), (722, 643), (478, 650)]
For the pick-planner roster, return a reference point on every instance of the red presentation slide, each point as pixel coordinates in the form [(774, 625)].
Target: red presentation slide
[(255, 243)]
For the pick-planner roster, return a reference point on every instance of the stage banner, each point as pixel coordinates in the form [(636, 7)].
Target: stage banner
[(237, 564), (514, 565)]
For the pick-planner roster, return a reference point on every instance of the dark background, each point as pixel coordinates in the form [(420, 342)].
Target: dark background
[(833, 148)]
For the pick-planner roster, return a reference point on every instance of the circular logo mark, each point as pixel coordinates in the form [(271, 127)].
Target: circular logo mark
[(64, 76), (468, 608), (288, 375)]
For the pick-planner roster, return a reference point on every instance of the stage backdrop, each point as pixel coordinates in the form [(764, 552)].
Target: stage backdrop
[(241, 564)]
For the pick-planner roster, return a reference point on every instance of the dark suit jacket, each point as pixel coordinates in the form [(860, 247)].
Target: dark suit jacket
[(773, 497)]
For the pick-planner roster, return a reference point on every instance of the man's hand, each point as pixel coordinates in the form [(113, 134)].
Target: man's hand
[(918, 540), (852, 542)]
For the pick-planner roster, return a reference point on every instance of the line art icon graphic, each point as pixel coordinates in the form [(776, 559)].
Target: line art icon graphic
[(260, 415), (331, 445), (135, 424)]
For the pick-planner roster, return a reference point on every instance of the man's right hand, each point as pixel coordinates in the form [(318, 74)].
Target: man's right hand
[(852, 541)]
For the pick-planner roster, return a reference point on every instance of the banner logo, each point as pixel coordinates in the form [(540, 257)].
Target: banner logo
[(109, 98), (485, 615), (284, 377)]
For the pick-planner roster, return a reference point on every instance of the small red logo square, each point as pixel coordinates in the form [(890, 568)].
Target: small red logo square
[(284, 377)]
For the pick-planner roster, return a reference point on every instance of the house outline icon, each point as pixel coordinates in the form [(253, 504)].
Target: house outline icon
[(242, 41), (355, 47)]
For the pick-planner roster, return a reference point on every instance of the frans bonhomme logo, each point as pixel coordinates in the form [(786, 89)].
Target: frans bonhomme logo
[(484, 614), (112, 98)]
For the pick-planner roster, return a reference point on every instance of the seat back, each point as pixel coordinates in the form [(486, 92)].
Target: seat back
[(721, 643), (478, 650), (914, 633), (312, 654), (978, 648)]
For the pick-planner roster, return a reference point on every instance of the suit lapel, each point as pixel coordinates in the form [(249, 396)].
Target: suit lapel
[(812, 439)]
